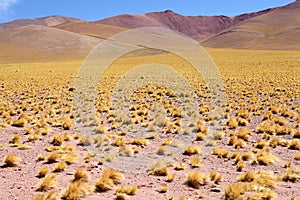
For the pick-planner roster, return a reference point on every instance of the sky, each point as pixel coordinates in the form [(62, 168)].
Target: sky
[(92, 10)]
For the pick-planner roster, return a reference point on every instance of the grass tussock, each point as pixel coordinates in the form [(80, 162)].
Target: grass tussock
[(196, 179), (109, 178), (11, 160), (126, 189), (50, 196), (195, 162), (43, 172), (191, 150), (47, 183), (76, 190), (81, 175), (61, 166), (266, 158), (158, 169)]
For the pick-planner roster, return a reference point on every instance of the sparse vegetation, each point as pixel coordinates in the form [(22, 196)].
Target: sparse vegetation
[(196, 179), (47, 183), (260, 125), (11, 160)]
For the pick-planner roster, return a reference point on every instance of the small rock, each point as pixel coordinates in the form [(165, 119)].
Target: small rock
[(215, 190), (70, 173)]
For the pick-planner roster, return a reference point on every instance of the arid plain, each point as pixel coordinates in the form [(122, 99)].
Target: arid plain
[(254, 154)]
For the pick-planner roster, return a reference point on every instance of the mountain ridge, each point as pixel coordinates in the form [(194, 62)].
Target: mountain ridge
[(198, 27), (53, 20), (58, 37), (279, 29)]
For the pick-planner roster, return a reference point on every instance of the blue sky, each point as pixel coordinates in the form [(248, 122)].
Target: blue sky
[(97, 9)]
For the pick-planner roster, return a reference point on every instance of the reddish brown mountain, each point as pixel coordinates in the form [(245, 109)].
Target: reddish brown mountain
[(91, 29), (198, 27), (43, 21), (279, 29)]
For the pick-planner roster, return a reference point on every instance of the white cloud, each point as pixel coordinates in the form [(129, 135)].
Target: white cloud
[(6, 4)]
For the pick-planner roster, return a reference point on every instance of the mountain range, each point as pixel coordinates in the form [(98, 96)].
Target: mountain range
[(58, 37)]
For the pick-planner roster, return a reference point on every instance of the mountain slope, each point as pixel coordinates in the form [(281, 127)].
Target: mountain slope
[(279, 29), (43, 21), (34, 42), (198, 27), (91, 29)]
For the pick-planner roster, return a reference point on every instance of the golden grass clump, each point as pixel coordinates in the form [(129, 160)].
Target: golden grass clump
[(195, 162), (15, 139), (11, 160), (283, 130), (119, 141), (240, 165), (296, 134), (297, 157), (40, 157), (43, 172), (67, 124), (21, 122), (196, 179), (23, 146), (274, 142), (104, 184), (179, 167), (140, 142), (294, 145), (239, 143), (200, 136), (287, 165), (126, 189), (57, 140), (151, 135), (221, 153), (215, 176), (47, 183), (121, 196), (232, 123), (158, 169), (53, 157), (242, 121), (248, 156), (108, 179), (235, 191), (81, 175), (161, 150), (52, 148), (262, 195), (260, 144), (61, 166), (268, 115), (126, 151), (218, 135), (163, 189), (266, 158), (190, 150), (232, 140), (76, 190), (247, 177), (291, 175), (243, 134), (170, 177), (50, 196), (70, 158)]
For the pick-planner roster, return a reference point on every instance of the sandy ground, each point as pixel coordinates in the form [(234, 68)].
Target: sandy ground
[(20, 182)]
